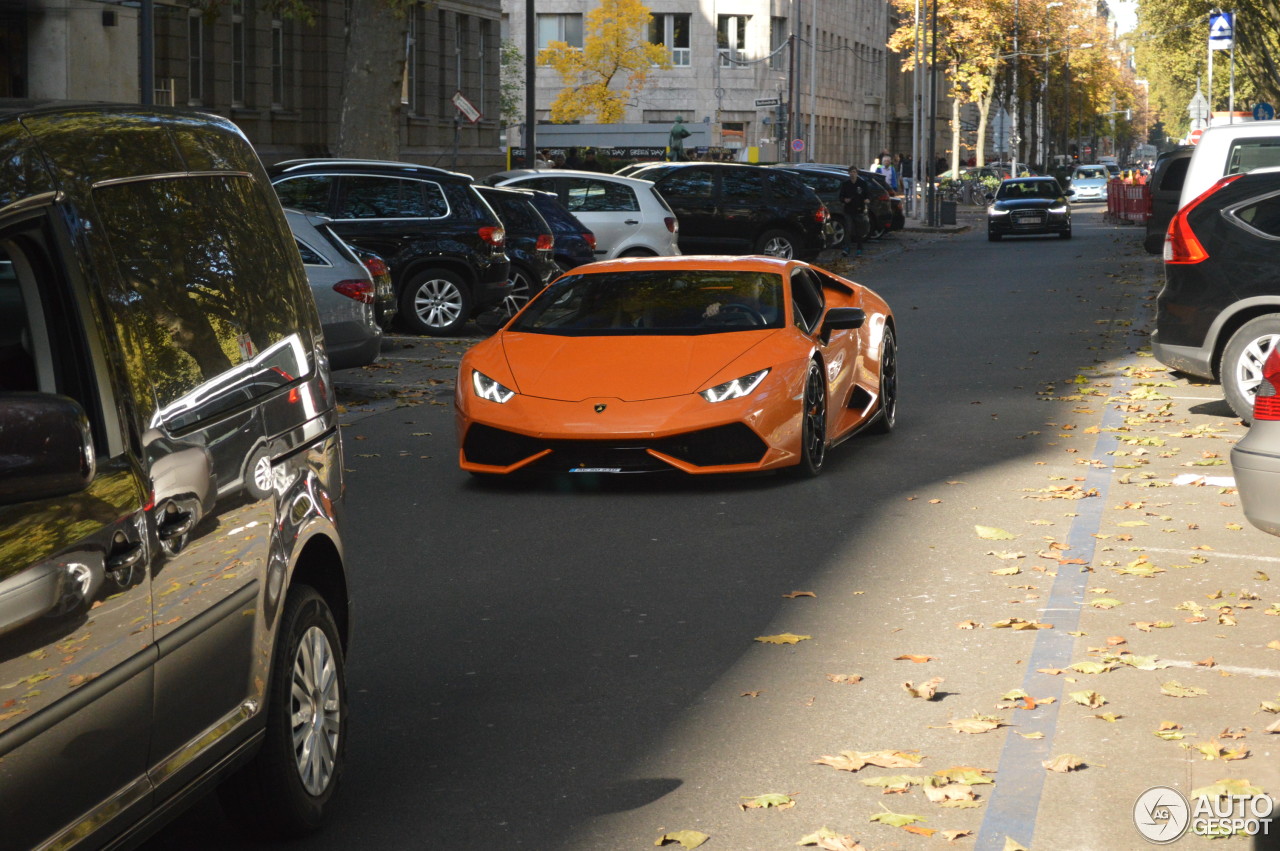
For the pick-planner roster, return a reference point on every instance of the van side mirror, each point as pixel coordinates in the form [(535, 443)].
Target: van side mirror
[(46, 449)]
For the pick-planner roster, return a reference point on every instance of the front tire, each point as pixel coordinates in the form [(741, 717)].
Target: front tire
[(285, 791), (776, 243), (1241, 367), (887, 417), (436, 302), (1066, 234), (813, 424), (992, 236)]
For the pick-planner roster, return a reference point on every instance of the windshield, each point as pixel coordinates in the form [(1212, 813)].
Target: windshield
[(1098, 173), (1027, 189), (656, 302)]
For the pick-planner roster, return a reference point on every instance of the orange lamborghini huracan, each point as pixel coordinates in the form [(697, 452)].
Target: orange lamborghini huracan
[(698, 364)]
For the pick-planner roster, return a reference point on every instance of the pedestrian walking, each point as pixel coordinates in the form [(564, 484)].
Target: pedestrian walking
[(853, 195), (890, 173)]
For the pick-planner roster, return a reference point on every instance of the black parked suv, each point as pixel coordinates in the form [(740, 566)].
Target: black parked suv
[(530, 244), (734, 208), (173, 601), (444, 244), (575, 242)]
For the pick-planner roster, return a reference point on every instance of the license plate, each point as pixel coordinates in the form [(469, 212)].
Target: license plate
[(596, 470)]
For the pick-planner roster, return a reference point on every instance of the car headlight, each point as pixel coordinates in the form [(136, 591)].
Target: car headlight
[(487, 388), (1059, 210), (994, 212), (735, 389)]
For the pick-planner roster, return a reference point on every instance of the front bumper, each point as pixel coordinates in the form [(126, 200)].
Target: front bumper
[(1044, 222), (607, 435)]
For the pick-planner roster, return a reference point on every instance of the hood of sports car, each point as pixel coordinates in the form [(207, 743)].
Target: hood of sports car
[(630, 368)]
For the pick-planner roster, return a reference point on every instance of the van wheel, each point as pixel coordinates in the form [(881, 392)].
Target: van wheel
[(285, 791), (1241, 368), (777, 243), (436, 302)]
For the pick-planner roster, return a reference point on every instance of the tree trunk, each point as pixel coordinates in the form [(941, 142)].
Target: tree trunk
[(984, 114), (369, 121)]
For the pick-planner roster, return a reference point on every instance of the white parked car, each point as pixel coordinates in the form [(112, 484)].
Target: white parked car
[(628, 216), (1230, 149)]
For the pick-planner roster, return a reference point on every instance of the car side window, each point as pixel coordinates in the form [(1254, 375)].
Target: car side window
[(310, 257), (1263, 215), (611, 197), (744, 183), (1175, 175), (209, 337), (688, 183), (17, 355), (806, 300), (365, 197), (306, 192), (546, 184), (781, 185), (1248, 154)]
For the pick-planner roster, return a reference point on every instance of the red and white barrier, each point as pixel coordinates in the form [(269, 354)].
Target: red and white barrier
[(1128, 203)]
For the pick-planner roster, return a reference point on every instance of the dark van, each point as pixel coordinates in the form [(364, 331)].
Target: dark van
[(173, 599)]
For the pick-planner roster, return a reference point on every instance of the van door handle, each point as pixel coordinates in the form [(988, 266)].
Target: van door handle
[(631, 222)]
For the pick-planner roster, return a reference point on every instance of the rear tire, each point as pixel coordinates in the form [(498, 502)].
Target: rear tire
[(1240, 369), (813, 419), (777, 243), (285, 791), (887, 417), (436, 302), (523, 288)]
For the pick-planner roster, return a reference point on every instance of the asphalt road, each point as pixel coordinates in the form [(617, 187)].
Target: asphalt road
[(572, 664)]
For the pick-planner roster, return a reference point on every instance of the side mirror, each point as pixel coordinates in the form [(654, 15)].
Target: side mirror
[(45, 447), (842, 318), (990, 197), (1068, 192)]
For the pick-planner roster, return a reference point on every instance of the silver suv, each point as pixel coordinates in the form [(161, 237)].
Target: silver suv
[(173, 599)]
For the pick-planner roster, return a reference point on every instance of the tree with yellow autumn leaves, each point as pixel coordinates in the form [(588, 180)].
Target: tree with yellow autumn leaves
[(612, 65), (977, 58)]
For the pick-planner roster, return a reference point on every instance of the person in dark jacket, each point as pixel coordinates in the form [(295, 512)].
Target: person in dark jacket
[(853, 195)]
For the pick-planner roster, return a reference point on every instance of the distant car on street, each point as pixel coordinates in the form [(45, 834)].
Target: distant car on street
[(1029, 205), (1090, 182)]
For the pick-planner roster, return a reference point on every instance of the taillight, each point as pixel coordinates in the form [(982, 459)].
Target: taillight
[(376, 265), (545, 242), (361, 291), (673, 225), (495, 236), (590, 239), (1180, 242), (823, 215), (1266, 404)]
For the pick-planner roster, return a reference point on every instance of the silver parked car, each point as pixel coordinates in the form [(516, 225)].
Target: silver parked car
[(628, 216), (1256, 458), (343, 289)]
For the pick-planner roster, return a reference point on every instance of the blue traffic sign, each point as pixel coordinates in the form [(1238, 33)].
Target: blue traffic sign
[(1263, 112), (1221, 31)]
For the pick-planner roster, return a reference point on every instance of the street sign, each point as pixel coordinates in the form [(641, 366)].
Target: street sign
[(797, 145), (1221, 34), (1195, 136), (465, 107), (1263, 112), (762, 102)]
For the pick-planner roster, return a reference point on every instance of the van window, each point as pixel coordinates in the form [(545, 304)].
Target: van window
[(1247, 154), (200, 296)]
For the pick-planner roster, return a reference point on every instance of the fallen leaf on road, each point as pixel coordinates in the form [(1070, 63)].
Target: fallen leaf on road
[(910, 658), (1064, 763), (965, 774), (1104, 603), (845, 679), (992, 533), (1011, 844), (1109, 717), (953, 835), (976, 724), (1207, 663), (784, 638), (968, 625), (1032, 735), (1006, 571), (1227, 788), (1019, 623), (895, 819), (750, 694), (828, 840), (1274, 645), (1147, 626), (795, 594), (764, 802), (686, 838), (926, 691), (1088, 698), (1173, 688), (856, 760)]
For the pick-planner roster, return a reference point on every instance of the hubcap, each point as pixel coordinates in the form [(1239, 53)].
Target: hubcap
[(316, 711), (262, 473), (815, 417), (889, 383), (521, 292), (438, 302), (1249, 368), (778, 246)]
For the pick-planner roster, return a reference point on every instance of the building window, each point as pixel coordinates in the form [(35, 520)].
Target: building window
[(566, 28), (779, 34), (238, 64), (195, 57), (731, 39), (277, 64), (672, 32), (409, 82)]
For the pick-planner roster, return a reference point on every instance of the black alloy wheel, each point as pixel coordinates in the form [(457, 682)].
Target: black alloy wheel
[(522, 289), (887, 416), (813, 431)]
